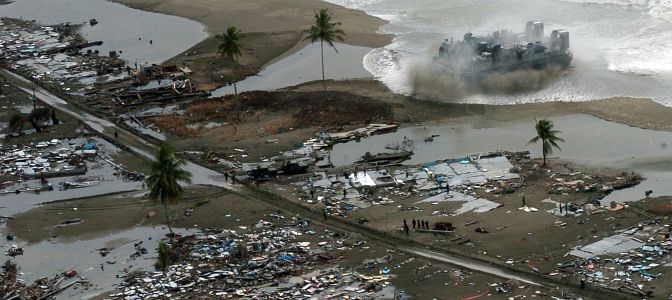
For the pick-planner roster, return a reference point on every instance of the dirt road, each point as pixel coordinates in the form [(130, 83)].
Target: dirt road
[(206, 176), (106, 129)]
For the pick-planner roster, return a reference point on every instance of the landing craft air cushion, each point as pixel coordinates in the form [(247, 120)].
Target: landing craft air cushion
[(503, 52)]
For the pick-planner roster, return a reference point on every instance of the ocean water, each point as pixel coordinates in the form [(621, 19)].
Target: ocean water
[(620, 47)]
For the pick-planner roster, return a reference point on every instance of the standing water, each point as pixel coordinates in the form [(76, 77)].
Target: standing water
[(589, 140), (304, 66), (121, 28)]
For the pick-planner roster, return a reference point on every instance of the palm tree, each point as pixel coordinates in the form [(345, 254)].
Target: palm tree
[(547, 136), (229, 48), (166, 171), (324, 31)]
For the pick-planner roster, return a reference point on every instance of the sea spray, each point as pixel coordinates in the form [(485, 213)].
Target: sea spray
[(433, 81)]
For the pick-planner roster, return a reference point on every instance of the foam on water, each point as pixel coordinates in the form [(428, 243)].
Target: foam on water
[(621, 47)]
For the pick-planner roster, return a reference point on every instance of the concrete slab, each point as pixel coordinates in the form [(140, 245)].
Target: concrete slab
[(613, 244), (471, 203), (496, 168)]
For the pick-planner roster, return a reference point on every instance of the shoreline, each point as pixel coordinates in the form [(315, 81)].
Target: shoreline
[(284, 15), (267, 38)]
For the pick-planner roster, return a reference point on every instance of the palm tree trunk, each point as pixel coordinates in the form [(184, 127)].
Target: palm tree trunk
[(324, 83), (235, 89), (165, 210), (543, 153)]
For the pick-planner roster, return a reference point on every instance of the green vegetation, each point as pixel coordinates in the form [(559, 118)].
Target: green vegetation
[(548, 137), (324, 31), (163, 181), (229, 49)]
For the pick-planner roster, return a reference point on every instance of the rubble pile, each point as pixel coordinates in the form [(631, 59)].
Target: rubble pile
[(176, 87), (267, 263), (44, 159), (311, 153), (12, 288), (580, 182), (627, 261), (53, 53), (55, 158), (461, 179)]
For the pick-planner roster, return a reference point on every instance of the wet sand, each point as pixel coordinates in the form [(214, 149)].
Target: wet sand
[(268, 16), (268, 36)]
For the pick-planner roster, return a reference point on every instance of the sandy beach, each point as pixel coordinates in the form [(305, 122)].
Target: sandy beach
[(255, 16), (268, 36)]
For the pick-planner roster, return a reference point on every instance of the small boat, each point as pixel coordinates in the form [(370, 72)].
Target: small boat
[(14, 251), (66, 185)]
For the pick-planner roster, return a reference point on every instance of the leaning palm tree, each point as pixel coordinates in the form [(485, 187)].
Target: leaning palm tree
[(229, 49), (326, 32), (163, 181), (548, 137)]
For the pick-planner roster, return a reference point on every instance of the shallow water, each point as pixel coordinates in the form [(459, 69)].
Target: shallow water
[(656, 181), (120, 27), (589, 140), (621, 47), (56, 256), (304, 66), (11, 204)]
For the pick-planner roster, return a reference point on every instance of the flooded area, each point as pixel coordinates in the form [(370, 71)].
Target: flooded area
[(84, 256), (125, 30), (101, 177), (304, 66), (589, 140), (658, 182)]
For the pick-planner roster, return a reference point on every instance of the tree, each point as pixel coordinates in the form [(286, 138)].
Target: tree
[(163, 181), (229, 49), (548, 137), (326, 32)]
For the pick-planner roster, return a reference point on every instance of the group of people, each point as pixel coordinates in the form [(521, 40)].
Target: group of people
[(419, 224)]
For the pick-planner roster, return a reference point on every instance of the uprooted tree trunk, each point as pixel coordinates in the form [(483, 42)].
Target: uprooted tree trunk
[(54, 120), (165, 211)]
